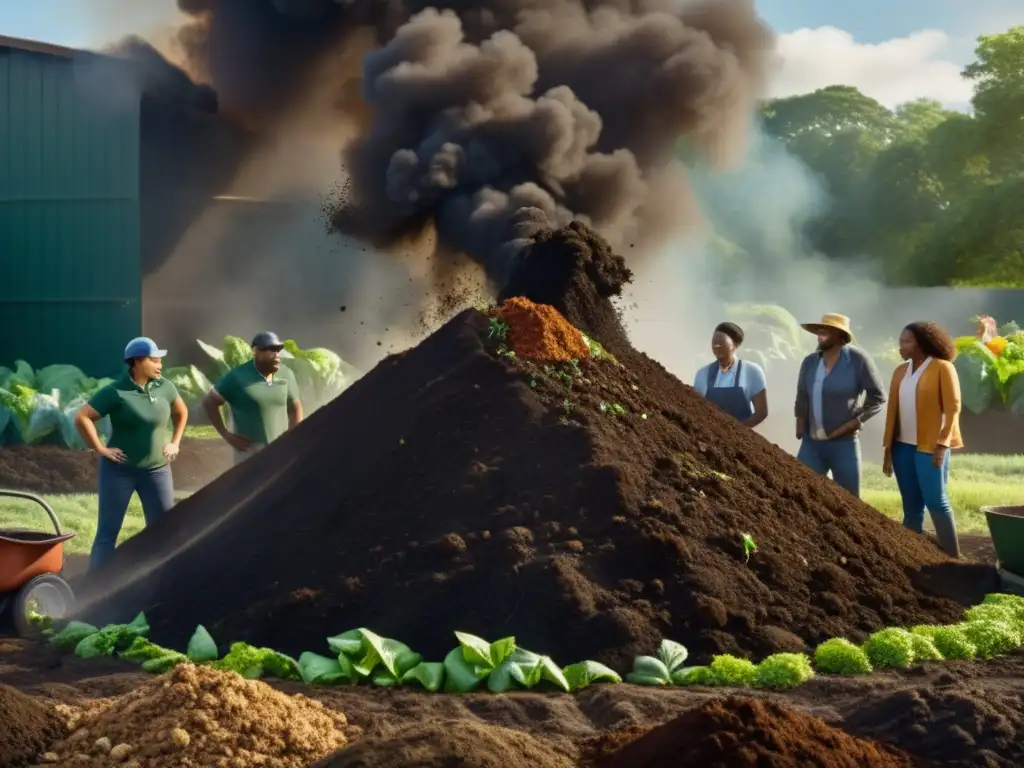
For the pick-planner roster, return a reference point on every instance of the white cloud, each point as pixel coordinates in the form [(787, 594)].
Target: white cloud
[(921, 65)]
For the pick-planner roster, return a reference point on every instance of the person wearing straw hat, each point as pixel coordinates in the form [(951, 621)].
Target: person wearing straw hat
[(837, 391)]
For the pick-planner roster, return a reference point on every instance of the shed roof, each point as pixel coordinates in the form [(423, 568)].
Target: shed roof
[(34, 46)]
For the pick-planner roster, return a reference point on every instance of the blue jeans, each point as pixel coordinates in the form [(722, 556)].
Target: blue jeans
[(841, 457), (922, 484), (117, 483)]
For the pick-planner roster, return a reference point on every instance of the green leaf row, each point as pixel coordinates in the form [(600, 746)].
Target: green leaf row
[(356, 656), (993, 628)]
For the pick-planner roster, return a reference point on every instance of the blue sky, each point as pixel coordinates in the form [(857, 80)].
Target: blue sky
[(892, 49)]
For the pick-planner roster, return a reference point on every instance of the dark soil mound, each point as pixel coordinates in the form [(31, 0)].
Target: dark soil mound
[(461, 744), (27, 728), (744, 733), (52, 469), (952, 725), (589, 510)]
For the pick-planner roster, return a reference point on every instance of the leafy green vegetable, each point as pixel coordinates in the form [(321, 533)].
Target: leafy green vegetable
[(190, 382), (428, 674), (890, 648), (143, 649), (924, 649), (201, 647), (279, 665), (783, 670), (71, 635), (527, 669), (367, 650), (315, 668), (1012, 603), (648, 670), (749, 546), (154, 658), (474, 660), (991, 638), (587, 673), (732, 671), (164, 663), (695, 676), (839, 656), (952, 643), (113, 637), (252, 663)]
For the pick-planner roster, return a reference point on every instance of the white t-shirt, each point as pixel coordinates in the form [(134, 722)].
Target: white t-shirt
[(908, 403)]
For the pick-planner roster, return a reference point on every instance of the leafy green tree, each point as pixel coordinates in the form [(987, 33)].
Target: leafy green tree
[(998, 76)]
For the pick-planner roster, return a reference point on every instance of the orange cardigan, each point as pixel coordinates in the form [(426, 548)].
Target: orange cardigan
[(938, 396)]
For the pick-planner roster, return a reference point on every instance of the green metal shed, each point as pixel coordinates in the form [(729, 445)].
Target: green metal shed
[(70, 282)]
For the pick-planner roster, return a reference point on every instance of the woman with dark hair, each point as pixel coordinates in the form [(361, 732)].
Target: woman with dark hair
[(136, 458), (736, 386), (921, 426)]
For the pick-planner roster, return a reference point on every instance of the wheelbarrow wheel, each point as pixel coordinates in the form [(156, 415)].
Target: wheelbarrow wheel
[(48, 595)]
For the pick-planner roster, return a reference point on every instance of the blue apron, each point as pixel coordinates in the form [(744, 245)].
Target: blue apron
[(732, 400)]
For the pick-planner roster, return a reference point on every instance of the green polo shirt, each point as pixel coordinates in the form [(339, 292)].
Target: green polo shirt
[(138, 418), (259, 406)]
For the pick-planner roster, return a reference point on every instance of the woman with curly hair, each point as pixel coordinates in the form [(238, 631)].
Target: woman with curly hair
[(921, 426)]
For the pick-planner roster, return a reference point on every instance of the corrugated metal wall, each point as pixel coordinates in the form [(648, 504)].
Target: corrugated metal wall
[(70, 283)]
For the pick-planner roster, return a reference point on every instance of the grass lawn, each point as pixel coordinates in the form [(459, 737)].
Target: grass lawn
[(201, 432), (76, 512), (975, 481)]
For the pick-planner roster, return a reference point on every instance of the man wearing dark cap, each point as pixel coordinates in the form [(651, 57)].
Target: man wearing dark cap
[(263, 397)]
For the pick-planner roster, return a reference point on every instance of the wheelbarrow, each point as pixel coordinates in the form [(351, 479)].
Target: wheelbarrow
[(1006, 526), (31, 587)]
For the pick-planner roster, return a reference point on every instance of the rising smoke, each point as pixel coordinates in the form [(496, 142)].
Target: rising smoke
[(498, 119)]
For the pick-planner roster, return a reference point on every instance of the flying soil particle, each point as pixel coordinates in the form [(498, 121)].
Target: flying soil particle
[(751, 733), (656, 485)]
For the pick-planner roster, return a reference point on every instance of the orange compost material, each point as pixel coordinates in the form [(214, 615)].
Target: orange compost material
[(540, 332)]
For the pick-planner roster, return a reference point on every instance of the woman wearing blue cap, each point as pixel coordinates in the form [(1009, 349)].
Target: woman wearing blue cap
[(136, 459)]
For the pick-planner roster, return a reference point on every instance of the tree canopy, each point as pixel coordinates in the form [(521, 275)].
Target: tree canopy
[(936, 195)]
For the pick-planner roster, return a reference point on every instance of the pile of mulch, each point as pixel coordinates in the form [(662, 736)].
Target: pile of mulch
[(456, 744), (27, 726), (49, 469), (959, 723), (589, 509), (198, 716), (739, 732)]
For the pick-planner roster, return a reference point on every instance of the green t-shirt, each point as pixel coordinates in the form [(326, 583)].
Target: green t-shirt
[(138, 418), (259, 407)]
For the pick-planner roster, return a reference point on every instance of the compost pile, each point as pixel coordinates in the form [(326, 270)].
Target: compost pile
[(740, 732), (588, 508), (26, 727), (203, 717)]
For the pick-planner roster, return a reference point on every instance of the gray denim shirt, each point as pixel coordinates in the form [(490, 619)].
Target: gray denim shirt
[(852, 390)]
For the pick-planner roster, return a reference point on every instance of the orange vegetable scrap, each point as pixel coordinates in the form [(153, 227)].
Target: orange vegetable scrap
[(997, 345), (539, 332)]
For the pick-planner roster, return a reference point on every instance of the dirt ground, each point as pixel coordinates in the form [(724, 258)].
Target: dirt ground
[(953, 713), (52, 469)]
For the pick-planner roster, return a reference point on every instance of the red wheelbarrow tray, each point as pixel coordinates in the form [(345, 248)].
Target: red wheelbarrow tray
[(27, 554)]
